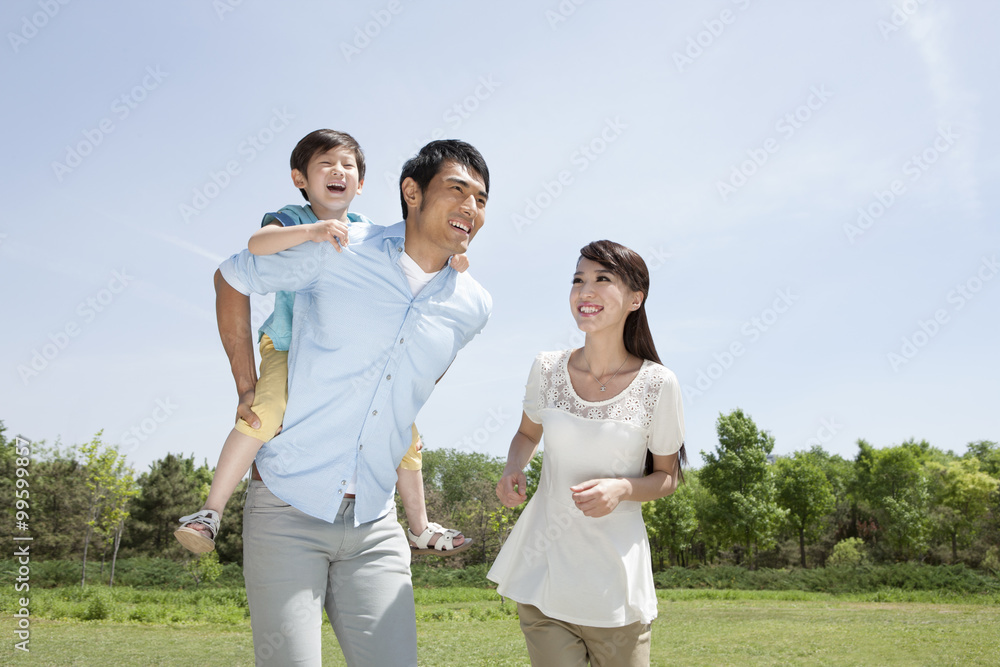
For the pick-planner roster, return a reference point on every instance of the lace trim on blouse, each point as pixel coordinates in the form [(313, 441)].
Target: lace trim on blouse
[(634, 405)]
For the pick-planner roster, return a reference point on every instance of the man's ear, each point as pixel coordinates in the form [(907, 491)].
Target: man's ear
[(411, 192), (298, 179)]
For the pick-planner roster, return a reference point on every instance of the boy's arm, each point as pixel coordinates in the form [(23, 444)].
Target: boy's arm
[(232, 309), (273, 238)]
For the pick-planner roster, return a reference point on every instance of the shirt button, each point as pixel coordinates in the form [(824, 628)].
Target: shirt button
[(388, 377), (374, 413), (360, 447), (399, 250), (343, 481), (340, 490), (400, 341)]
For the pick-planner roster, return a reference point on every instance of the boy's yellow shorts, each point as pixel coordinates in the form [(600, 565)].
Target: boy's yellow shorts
[(271, 397)]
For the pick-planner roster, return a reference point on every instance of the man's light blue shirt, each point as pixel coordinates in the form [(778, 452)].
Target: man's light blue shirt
[(278, 326), (364, 357)]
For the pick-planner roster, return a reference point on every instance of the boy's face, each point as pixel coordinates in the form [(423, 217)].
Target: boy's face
[(331, 181), (452, 209)]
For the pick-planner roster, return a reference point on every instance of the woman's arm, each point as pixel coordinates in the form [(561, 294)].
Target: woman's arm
[(599, 497), (273, 238), (511, 487)]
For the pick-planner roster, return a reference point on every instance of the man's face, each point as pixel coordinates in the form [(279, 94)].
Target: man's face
[(452, 209), (331, 181)]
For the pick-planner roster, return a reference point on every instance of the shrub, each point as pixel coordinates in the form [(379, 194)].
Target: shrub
[(848, 553), (991, 562)]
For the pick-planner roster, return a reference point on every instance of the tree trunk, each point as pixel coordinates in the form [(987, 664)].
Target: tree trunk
[(802, 545), (114, 556), (86, 543)]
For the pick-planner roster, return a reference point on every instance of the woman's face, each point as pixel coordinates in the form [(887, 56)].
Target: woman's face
[(599, 299)]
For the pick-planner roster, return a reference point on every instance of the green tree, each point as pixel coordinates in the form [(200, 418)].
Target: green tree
[(893, 484), (121, 489), (672, 523), (806, 493), (987, 453), (103, 465), (204, 567), (848, 553), (739, 477), (461, 493), (961, 495), (172, 488)]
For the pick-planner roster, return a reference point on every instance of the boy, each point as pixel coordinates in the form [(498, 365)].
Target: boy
[(328, 167)]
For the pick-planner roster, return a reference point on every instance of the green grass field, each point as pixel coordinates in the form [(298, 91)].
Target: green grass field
[(462, 626)]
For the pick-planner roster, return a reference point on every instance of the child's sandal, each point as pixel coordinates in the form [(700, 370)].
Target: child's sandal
[(195, 540)]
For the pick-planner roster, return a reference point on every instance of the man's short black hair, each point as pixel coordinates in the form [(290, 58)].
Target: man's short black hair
[(320, 141), (425, 165)]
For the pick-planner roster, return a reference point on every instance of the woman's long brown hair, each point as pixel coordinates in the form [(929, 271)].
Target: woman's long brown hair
[(631, 269)]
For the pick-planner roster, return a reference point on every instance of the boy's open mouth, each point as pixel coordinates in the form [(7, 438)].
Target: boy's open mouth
[(336, 187)]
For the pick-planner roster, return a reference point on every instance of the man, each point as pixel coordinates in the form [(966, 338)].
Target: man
[(374, 328)]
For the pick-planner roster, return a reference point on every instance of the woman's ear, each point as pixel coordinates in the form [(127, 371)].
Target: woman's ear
[(637, 301)]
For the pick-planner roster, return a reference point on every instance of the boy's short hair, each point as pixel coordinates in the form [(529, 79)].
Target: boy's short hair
[(320, 141), (427, 163)]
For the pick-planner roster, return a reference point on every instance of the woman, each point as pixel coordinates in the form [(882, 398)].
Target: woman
[(577, 562)]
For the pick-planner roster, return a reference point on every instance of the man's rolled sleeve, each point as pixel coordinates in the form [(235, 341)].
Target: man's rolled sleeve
[(291, 270)]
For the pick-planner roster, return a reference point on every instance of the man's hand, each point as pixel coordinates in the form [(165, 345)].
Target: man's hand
[(511, 488), (244, 412), (333, 231), (599, 497), (460, 263)]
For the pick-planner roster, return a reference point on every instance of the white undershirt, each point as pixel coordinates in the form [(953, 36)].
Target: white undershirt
[(414, 274), (417, 279)]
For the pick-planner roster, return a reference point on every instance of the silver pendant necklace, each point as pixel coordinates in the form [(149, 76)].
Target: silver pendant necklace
[(604, 386)]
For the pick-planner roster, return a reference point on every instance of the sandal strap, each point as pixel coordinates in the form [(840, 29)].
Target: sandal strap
[(209, 518), (444, 542)]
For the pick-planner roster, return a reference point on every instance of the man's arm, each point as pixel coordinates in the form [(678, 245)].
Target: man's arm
[(232, 310)]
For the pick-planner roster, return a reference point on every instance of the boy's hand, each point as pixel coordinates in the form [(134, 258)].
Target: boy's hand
[(333, 231), (460, 263)]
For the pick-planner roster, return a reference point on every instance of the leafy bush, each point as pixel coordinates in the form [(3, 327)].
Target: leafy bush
[(862, 579), (848, 553), (991, 563), (471, 576)]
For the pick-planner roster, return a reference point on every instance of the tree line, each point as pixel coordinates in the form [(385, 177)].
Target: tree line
[(906, 502)]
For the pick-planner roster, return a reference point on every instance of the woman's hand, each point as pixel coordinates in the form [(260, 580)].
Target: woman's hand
[(599, 497), (511, 488)]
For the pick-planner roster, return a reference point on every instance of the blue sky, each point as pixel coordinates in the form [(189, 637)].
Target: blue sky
[(812, 185)]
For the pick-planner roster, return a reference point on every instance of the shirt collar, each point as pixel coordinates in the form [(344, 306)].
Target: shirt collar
[(396, 231)]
